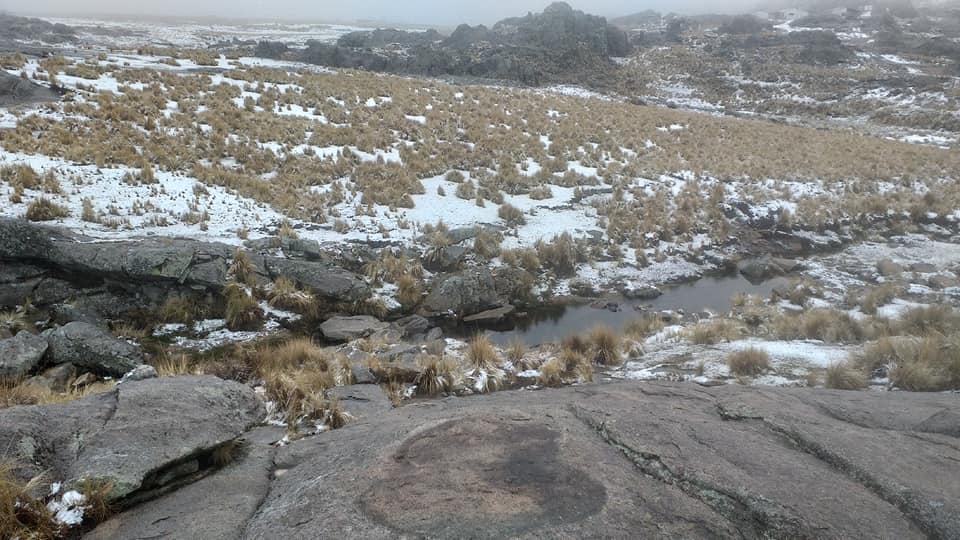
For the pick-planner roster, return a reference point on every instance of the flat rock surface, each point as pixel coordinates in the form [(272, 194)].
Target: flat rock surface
[(629, 460), (130, 434), (351, 328)]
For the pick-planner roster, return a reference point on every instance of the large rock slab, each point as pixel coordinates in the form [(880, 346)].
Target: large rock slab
[(464, 293), (341, 328), (637, 460), (214, 508), (135, 435), (87, 346), (20, 354)]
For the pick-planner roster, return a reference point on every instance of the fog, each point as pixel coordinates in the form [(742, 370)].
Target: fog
[(426, 12)]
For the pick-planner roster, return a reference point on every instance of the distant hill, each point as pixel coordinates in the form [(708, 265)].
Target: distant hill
[(25, 29)]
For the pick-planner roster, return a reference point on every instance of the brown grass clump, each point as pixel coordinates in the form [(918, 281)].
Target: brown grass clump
[(22, 515), (930, 364), (713, 332), (827, 325), (242, 311), (551, 373), (242, 269), (940, 318), (43, 209), (285, 295), (606, 346), (97, 505), (481, 354), (512, 215), (643, 327), (438, 375), (516, 352), (173, 365), (748, 362), (560, 255), (409, 291), (842, 376), (878, 296)]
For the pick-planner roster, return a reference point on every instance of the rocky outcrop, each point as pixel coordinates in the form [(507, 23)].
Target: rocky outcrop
[(20, 354), (15, 91), (629, 459), (87, 346), (558, 45), (341, 328), (463, 293), (139, 436), (57, 263)]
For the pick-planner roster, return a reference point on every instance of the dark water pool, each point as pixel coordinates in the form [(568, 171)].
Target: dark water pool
[(552, 323)]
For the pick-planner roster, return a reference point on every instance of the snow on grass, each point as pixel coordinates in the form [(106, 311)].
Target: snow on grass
[(809, 353)]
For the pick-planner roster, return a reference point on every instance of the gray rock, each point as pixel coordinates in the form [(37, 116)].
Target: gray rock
[(888, 268), (55, 379), (328, 281), (413, 325), (645, 292), (446, 259), (923, 268), (131, 435), (361, 373), (361, 401), (463, 293), (341, 328), (20, 354), (434, 334), (942, 282), (67, 313), (637, 460), (760, 270), (491, 315), (87, 346), (140, 373), (214, 508)]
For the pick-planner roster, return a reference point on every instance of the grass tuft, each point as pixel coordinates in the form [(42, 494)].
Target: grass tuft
[(748, 362)]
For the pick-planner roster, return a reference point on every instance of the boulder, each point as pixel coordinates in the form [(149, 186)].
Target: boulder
[(942, 281), (642, 292), (888, 268), (134, 436), (140, 373), (90, 347), (413, 325), (55, 379), (760, 270), (327, 281), (214, 508), (463, 293), (342, 328), (20, 354), (361, 401), (491, 315), (638, 460), (446, 259)]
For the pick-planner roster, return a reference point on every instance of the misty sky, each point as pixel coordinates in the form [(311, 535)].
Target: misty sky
[(435, 12)]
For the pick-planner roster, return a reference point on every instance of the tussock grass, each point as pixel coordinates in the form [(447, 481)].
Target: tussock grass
[(748, 362), (181, 309), (242, 269), (284, 294), (21, 514), (643, 327), (879, 296), (438, 375), (481, 354), (242, 309), (606, 346), (713, 332), (43, 209), (842, 376), (827, 325)]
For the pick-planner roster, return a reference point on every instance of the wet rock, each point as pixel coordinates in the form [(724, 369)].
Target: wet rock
[(361, 402), (215, 508), (760, 270), (341, 328), (87, 346), (888, 268), (621, 460), (20, 354), (643, 292), (132, 434), (491, 315)]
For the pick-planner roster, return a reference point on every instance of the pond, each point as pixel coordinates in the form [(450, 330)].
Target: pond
[(553, 323)]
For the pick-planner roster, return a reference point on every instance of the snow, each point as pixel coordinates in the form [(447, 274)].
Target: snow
[(812, 353), (68, 510)]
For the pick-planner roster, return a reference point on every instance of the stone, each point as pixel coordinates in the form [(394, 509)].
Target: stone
[(90, 347), (131, 435), (327, 281), (342, 328), (491, 315), (463, 293), (216, 507), (760, 270), (413, 325), (140, 373), (923, 268), (361, 373), (361, 401), (643, 292), (55, 379), (20, 354), (446, 259), (941, 281), (638, 460), (434, 334), (888, 268)]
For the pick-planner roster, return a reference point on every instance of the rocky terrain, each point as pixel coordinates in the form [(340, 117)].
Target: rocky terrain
[(603, 461), (558, 45), (16, 91)]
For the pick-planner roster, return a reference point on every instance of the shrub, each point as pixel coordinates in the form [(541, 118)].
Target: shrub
[(43, 209), (181, 309), (877, 297), (540, 193), (512, 215), (841, 376), (930, 364), (487, 243), (748, 362), (466, 190), (828, 325)]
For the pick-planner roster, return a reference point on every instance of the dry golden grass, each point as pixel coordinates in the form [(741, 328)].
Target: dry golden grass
[(606, 346), (878, 296), (643, 327), (181, 309), (242, 269), (842, 376), (242, 309), (22, 516), (174, 364), (97, 494), (929, 364), (43, 209), (827, 325), (748, 362), (714, 331), (481, 354), (284, 294), (438, 375)]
